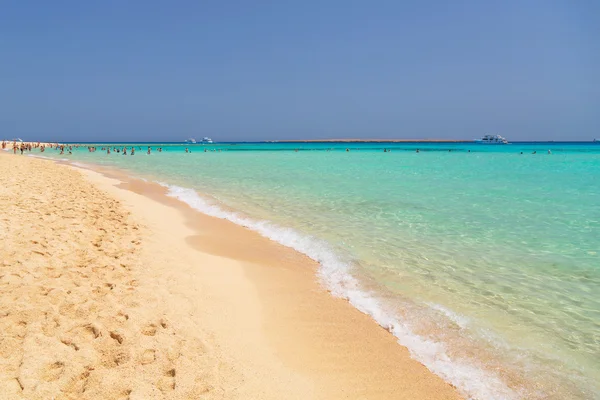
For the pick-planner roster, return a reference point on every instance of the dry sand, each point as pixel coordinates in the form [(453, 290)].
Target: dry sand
[(111, 290)]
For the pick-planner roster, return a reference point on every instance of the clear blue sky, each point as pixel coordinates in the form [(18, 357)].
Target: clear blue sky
[(262, 70)]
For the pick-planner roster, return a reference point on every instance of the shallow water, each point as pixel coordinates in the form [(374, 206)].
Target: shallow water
[(485, 262)]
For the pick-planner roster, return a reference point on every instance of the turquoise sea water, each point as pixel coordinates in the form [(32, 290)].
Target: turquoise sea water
[(483, 261)]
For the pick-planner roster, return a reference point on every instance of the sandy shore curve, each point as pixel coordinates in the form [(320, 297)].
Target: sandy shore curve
[(112, 290)]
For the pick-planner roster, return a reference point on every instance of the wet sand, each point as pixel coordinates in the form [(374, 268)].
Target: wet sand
[(110, 289)]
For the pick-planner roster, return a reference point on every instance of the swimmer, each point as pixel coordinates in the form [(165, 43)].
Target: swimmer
[(549, 152), (132, 150), (186, 150)]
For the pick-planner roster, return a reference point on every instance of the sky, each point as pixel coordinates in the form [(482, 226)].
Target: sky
[(266, 70)]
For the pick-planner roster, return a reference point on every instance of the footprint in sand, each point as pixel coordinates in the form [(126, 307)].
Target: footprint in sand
[(121, 317), (149, 330), (167, 382), (114, 357), (148, 356), (52, 372), (116, 336)]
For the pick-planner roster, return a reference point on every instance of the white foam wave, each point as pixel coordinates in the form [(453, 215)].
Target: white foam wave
[(39, 156), (458, 319), (473, 381)]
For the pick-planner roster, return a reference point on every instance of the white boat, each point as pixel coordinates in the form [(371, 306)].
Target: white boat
[(191, 140), (492, 139), (206, 140)]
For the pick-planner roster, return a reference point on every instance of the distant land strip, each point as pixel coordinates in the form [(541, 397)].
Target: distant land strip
[(373, 140)]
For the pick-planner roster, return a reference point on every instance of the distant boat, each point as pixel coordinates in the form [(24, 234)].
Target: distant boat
[(492, 139), (596, 140), (206, 140), (190, 140)]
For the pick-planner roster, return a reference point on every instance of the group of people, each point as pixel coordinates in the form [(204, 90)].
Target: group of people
[(28, 146), (124, 150), (131, 150)]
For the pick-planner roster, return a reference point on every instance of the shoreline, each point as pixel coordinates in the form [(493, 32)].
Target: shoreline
[(279, 317)]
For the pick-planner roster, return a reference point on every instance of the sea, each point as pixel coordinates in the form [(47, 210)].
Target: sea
[(483, 260)]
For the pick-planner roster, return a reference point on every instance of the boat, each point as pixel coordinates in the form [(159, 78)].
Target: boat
[(596, 140), (190, 140), (206, 140), (492, 139)]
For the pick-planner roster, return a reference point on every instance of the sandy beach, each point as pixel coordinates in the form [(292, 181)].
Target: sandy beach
[(112, 290)]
